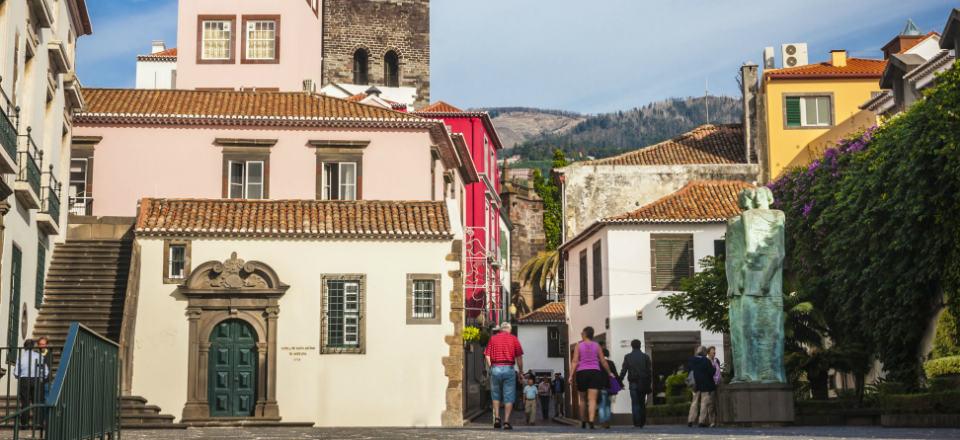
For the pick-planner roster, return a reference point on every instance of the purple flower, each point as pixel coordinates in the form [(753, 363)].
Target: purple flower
[(806, 209)]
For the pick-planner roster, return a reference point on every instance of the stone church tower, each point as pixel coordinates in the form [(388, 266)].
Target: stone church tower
[(378, 42)]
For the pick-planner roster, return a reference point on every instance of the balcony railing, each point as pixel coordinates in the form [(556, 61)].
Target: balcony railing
[(49, 217), (8, 131), (27, 185), (81, 204)]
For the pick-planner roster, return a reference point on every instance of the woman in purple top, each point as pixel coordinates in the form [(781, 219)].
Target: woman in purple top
[(589, 364)]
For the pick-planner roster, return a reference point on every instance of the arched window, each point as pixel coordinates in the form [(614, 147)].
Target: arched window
[(391, 69), (361, 62)]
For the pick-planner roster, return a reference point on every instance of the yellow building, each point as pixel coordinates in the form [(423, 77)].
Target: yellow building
[(809, 108)]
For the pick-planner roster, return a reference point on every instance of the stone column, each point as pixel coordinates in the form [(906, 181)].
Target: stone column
[(196, 406), (271, 409)]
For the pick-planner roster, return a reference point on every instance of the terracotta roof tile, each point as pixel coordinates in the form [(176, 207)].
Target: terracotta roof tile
[(554, 312), (706, 144), (440, 107), (701, 201), (142, 103), (293, 218), (164, 55), (855, 68)]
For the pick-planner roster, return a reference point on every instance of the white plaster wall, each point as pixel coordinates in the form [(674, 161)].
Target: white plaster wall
[(400, 380), (628, 273), (156, 74), (533, 339), (596, 310), (592, 192), (926, 48)]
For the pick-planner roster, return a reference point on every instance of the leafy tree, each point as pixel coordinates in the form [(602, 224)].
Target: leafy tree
[(540, 268), (702, 297), (548, 190), (874, 232)]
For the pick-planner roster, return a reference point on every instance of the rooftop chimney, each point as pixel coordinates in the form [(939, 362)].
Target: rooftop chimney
[(373, 90), (158, 46), (838, 58)]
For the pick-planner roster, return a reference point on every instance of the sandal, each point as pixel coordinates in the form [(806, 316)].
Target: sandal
[(507, 426), (496, 423)]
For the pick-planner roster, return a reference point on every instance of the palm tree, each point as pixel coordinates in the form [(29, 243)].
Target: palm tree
[(541, 268)]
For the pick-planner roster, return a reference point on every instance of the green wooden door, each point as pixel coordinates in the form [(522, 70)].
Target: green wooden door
[(13, 318), (233, 369)]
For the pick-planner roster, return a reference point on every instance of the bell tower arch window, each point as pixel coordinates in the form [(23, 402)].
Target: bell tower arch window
[(391, 69), (361, 66)]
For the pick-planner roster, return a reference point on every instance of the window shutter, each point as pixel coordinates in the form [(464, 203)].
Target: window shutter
[(793, 111), (673, 261), (583, 278)]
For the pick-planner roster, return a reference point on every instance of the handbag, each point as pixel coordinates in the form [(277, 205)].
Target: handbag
[(614, 386)]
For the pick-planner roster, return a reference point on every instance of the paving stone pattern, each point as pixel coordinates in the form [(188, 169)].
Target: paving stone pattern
[(476, 432)]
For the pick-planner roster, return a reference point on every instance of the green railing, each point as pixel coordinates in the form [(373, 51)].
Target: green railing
[(8, 130), (84, 400), (51, 197), (30, 159)]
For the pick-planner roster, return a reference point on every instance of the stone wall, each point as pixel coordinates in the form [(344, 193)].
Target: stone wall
[(524, 209), (378, 26), (592, 192)]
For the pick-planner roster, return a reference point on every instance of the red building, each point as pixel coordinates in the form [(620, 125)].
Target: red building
[(483, 286)]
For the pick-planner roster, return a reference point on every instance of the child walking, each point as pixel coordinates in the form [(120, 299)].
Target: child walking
[(543, 393), (530, 404)]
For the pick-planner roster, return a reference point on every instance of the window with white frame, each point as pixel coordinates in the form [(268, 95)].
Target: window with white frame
[(808, 111), (261, 40), (342, 309), (340, 181), (246, 179), (216, 39), (176, 261)]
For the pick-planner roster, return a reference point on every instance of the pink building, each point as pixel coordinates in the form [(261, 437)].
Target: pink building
[(484, 236)]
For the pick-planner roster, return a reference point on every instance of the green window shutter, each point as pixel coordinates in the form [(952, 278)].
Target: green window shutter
[(13, 314), (672, 260), (41, 265), (597, 270), (583, 278), (793, 111)]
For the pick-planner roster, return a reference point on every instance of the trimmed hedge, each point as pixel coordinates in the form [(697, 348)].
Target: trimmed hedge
[(671, 410), (947, 402), (942, 367)]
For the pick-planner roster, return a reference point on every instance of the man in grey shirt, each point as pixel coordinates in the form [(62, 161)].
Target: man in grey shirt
[(637, 368)]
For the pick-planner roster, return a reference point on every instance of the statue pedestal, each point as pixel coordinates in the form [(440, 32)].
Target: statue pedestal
[(756, 404)]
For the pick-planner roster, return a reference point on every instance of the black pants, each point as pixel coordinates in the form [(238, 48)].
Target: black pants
[(638, 399), (545, 407), (29, 391)]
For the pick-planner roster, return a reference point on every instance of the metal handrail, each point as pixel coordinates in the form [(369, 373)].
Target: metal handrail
[(84, 400), (8, 129), (31, 159)]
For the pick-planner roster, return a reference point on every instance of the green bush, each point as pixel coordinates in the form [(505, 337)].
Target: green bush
[(671, 410), (930, 403), (686, 398), (676, 384), (942, 367), (946, 342), (941, 384)]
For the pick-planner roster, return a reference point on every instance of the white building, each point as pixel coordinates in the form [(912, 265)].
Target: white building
[(542, 335), (159, 69), (39, 93), (617, 270)]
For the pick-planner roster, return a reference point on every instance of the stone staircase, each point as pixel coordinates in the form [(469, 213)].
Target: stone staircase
[(87, 282)]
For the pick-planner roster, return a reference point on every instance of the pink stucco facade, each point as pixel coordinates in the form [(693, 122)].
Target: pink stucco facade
[(132, 162), (299, 41)]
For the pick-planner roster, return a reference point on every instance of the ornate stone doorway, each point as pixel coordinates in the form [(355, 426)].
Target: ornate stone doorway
[(232, 306)]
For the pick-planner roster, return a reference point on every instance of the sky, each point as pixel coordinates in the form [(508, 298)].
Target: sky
[(589, 56)]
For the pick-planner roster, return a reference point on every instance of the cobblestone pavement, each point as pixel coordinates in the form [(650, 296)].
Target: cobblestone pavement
[(475, 432)]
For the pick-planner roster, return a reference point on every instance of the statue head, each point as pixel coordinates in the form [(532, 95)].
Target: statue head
[(746, 199), (763, 197)]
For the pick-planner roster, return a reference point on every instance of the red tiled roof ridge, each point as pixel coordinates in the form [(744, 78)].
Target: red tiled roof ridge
[(553, 312), (855, 68), (441, 107), (170, 53), (691, 148), (697, 201), (417, 219), (116, 103)]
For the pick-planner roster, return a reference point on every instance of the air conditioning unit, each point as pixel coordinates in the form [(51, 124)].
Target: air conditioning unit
[(794, 54), (769, 62)]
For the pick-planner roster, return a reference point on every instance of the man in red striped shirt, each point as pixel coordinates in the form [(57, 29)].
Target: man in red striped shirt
[(502, 353)]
